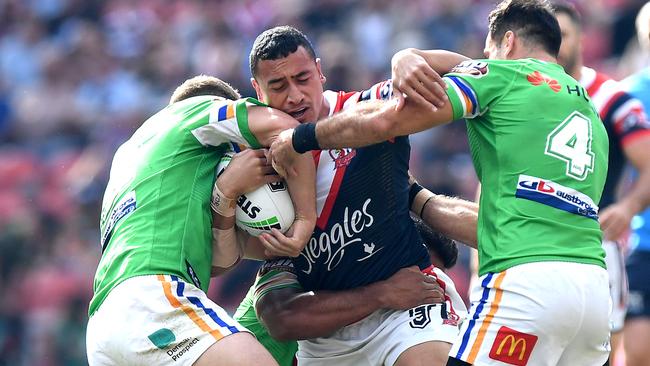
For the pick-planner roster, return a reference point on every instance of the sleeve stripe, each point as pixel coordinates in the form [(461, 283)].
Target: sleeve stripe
[(221, 114), (470, 100), (242, 123)]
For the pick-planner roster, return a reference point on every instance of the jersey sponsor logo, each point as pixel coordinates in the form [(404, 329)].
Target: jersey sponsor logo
[(123, 208), (578, 90), (342, 157), (192, 273), (555, 195), (537, 78), (512, 347), (181, 348), (476, 69), (162, 338), (333, 244)]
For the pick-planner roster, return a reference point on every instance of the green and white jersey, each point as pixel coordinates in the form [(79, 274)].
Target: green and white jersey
[(156, 216), (273, 275), (540, 152)]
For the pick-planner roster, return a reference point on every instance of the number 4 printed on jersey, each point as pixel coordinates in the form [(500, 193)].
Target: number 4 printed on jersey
[(571, 142)]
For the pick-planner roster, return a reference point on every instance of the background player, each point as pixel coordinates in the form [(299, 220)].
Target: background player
[(382, 239), (629, 138), (150, 305), (637, 321), (538, 228)]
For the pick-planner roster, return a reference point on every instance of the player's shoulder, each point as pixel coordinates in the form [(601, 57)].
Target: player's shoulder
[(340, 100)]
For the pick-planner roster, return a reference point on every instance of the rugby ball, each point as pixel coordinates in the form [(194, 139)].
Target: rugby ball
[(263, 209)]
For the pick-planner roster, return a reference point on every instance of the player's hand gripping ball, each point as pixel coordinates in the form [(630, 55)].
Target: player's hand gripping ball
[(264, 208)]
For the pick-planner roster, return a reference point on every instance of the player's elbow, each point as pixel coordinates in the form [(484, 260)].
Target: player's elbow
[(279, 326)]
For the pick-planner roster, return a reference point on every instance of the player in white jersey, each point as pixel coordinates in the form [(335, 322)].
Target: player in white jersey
[(629, 139)]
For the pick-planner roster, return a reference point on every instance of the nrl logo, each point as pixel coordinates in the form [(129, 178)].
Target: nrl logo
[(342, 157), (475, 69)]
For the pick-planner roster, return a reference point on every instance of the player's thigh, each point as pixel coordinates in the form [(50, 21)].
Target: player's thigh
[(236, 349), (156, 320), (518, 318), (637, 341), (429, 353)]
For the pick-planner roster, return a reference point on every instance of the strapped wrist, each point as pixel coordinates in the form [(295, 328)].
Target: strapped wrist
[(413, 191), (420, 201), (221, 204), (304, 138)]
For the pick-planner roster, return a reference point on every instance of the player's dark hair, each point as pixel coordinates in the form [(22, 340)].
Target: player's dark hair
[(568, 10), (441, 246), (276, 43), (204, 85), (531, 20)]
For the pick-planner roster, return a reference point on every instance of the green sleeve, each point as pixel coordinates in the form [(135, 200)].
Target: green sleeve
[(474, 85), (241, 112)]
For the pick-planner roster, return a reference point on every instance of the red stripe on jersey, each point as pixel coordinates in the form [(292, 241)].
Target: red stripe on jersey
[(598, 82), (342, 98), (324, 216), (321, 222), (635, 136)]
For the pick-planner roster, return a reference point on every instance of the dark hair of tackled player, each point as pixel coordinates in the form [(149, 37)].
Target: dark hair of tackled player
[(442, 249), (568, 10), (204, 85), (531, 20), (276, 43)]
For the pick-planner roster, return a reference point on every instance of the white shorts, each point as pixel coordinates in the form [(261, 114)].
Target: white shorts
[(542, 314), (618, 288), (380, 338), (155, 320)]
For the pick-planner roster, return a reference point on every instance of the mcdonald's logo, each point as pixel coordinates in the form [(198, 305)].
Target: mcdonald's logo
[(512, 347)]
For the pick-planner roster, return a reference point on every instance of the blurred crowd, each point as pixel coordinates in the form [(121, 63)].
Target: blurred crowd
[(78, 76)]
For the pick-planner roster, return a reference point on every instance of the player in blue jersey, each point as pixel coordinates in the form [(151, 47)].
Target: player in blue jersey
[(364, 232), (637, 321)]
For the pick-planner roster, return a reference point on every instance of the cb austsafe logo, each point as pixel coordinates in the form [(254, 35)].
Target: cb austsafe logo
[(552, 194)]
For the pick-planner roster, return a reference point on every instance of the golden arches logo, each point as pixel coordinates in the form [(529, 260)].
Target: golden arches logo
[(514, 342)]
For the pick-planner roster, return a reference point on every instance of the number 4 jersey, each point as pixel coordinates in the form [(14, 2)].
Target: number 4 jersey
[(540, 152)]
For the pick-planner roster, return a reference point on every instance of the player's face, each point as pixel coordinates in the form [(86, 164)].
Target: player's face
[(293, 84), (571, 46)]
